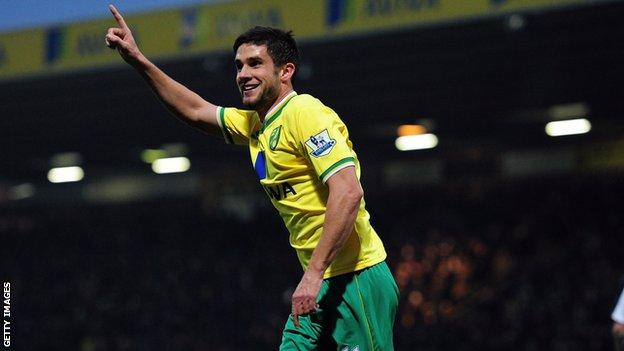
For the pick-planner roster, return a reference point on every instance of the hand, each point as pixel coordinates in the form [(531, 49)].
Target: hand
[(121, 39), (304, 297)]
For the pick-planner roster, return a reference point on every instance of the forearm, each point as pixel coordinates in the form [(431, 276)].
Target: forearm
[(342, 208), (182, 102)]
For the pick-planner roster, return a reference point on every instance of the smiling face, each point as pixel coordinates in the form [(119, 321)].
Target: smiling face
[(257, 77)]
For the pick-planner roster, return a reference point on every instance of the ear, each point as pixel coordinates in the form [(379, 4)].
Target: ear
[(287, 71)]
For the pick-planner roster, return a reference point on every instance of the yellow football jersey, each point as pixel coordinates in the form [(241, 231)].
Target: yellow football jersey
[(298, 147)]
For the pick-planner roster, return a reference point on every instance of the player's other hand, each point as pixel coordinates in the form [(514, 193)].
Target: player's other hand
[(121, 38), (304, 297)]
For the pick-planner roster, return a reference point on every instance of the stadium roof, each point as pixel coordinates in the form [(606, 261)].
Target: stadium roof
[(486, 84)]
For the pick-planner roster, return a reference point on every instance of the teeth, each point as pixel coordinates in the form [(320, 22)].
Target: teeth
[(249, 87)]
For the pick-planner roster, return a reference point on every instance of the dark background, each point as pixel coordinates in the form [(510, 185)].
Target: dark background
[(486, 259)]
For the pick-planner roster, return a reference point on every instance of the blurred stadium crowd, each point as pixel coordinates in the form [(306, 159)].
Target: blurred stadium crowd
[(530, 264)]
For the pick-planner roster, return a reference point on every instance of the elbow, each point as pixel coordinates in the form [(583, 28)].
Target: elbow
[(194, 114), (345, 188), (355, 194)]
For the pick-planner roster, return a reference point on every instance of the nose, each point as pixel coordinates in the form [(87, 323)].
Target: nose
[(243, 74)]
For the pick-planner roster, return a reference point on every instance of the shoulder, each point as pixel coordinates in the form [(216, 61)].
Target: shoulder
[(306, 106), (304, 101), (236, 115), (224, 110)]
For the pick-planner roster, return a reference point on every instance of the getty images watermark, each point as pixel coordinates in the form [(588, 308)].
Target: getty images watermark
[(6, 314)]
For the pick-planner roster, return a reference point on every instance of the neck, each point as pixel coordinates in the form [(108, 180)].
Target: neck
[(262, 112)]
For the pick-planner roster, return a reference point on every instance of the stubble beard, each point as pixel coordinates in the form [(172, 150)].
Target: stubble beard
[(265, 100)]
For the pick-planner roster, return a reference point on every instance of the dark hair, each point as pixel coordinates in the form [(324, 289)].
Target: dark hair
[(281, 45)]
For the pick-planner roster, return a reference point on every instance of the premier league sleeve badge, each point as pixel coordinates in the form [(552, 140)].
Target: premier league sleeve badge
[(321, 144)]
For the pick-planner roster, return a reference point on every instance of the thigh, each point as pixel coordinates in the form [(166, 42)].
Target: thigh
[(314, 331), (305, 337), (366, 316), (356, 313)]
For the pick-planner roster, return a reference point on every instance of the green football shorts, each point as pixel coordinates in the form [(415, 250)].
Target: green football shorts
[(356, 313)]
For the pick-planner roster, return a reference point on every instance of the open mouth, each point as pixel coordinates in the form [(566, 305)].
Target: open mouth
[(248, 87)]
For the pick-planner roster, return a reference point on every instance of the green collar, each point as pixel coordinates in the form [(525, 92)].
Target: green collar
[(272, 116)]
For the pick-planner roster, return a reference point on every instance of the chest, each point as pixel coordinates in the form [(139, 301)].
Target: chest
[(275, 155)]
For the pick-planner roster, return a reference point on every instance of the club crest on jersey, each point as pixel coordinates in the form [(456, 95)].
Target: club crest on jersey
[(274, 137), (321, 144)]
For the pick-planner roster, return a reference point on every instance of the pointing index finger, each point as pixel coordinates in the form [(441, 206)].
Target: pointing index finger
[(118, 17)]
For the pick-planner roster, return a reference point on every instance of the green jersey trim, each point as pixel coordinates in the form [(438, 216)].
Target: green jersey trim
[(270, 120), (347, 161), (221, 119)]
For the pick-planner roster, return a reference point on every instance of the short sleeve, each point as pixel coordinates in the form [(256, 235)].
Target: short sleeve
[(325, 140), (236, 125)]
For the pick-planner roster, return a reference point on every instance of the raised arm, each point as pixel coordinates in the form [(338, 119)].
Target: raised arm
[(185, 104)]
